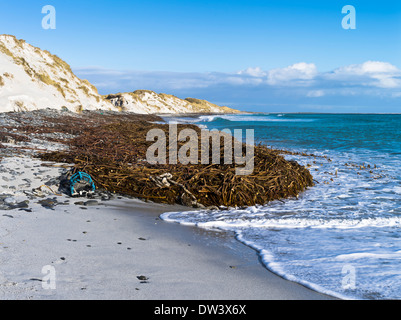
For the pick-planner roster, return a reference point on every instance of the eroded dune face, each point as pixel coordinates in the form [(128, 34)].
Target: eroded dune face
[(31, 79), (147, 102)]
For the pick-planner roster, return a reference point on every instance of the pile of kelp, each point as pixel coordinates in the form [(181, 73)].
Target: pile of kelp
[(114, 153)]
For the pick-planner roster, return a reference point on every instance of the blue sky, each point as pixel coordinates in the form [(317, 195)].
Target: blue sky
[(271, 55)]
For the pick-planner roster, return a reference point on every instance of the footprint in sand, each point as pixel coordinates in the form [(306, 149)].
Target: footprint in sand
[(62, 260)]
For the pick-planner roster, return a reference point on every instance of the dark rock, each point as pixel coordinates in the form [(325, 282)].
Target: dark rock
[(21, 205), (91, 203), (48, 203), (5, 196)]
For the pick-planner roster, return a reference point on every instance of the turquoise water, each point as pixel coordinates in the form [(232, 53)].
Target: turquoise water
[(319, 131), (342, 236)]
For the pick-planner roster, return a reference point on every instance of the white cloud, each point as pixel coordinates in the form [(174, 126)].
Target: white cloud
[(371, 73), (299, 73), (315, 93), (387, 81), (253, 72), (372, 78), (368, 67)]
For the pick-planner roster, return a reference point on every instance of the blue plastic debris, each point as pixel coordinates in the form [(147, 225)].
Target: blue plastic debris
[(81, 183)]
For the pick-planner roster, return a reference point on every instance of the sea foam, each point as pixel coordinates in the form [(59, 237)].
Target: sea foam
[(350, 218)]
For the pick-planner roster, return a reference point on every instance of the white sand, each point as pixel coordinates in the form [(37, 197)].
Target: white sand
[(98, 253)]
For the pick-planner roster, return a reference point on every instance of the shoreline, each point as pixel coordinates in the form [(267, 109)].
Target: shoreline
[(122, 250), (116, 249), (218, 254)]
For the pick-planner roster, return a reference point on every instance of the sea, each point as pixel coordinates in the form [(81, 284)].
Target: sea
[(341, 237)]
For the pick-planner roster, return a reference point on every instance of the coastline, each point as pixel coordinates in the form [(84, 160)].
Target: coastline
[(99, 253), (117, 249)]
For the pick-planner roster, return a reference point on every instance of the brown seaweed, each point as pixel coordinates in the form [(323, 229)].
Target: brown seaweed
[(112, 150)]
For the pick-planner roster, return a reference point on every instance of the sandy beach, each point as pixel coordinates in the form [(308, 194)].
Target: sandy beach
[(119, 249), (53, 246)]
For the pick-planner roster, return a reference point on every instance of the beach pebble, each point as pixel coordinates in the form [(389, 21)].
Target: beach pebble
[(48, 203), (91, 203), (9, 200), (21, 205)]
